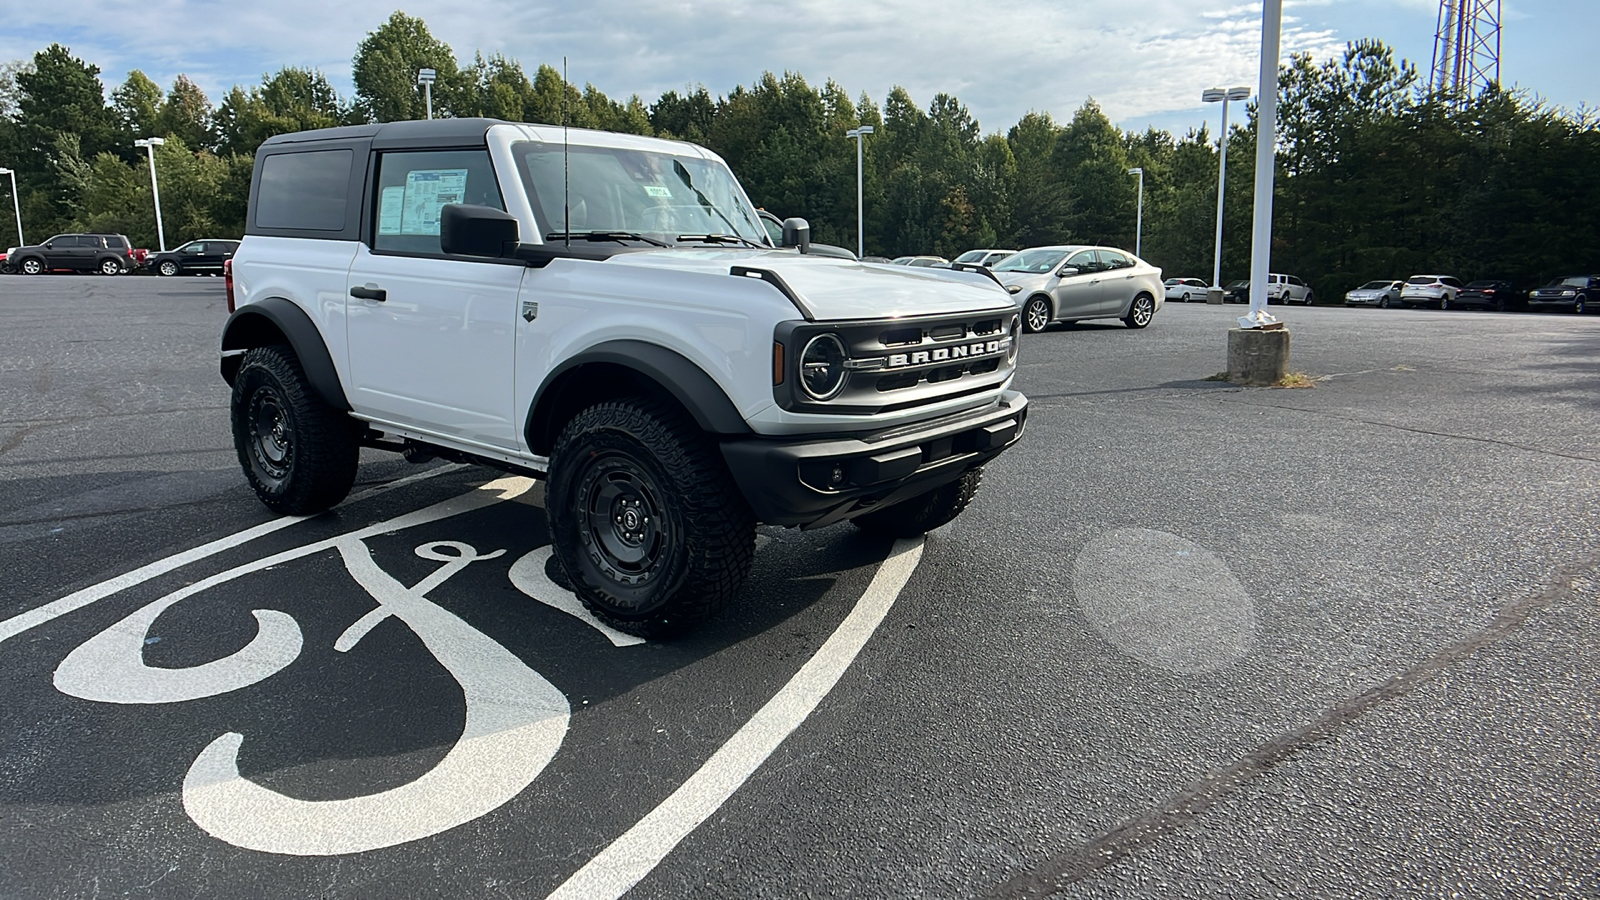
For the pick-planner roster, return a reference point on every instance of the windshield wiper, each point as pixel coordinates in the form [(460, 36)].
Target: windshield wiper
[(618, 236), (683, 176), (722, 239)]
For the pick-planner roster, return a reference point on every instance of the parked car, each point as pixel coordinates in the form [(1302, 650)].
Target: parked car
[(875, 259), (1072, 283), (774, 229), (1437, 291), (1574, 293), (108, 254), (983, 257), (1185, 289), (921, 262), (1289, 289), (6, 268), (1382, 294), (1236, 292), (1493, 295), (205, 256)]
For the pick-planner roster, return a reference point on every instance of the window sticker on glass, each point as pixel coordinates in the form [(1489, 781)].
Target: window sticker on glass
[(656, 190), (426, 193), (389, 206)]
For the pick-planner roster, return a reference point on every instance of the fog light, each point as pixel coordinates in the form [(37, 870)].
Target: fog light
[(836, 477)]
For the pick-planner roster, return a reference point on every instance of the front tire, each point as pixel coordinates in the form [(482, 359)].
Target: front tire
[(1036, 315), (167, 267), (1383, 302), (32, 266), (1579, 306), (648, 524), (1141, 311), (299, 453), (925, 512)]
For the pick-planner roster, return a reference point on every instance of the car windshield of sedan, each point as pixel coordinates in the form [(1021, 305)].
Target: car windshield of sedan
[(972, 256), (1375, 286), (612, 189), (1033, 261)]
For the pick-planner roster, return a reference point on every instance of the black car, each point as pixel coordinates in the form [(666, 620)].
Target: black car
[(1236, 292), (205, 256), (1574, 293), (108, 254), (1495, 295)]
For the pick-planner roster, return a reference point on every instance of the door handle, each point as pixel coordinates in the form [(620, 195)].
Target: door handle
[(367, 292)]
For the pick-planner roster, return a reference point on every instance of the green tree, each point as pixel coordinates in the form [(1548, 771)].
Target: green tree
[(291, 100), (186, 115), (137, 104), (385, 73)]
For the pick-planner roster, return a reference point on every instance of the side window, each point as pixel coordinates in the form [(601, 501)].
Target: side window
[(304, 191), (1295, 280), (77, 241), (1111, 259), (413, 186), (1083, 261)]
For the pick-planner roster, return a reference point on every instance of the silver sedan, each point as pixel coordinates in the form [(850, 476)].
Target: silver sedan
[(1071, 283)]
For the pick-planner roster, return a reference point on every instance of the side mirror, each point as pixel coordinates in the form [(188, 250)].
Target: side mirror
[(1064, 271), (49, 245), (467, 230), (797, 233)]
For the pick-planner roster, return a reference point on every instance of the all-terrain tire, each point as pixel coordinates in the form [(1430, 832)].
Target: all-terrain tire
[(299, 454), (651, 529), (923, 513)]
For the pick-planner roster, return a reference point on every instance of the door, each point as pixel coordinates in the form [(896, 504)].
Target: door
[(70, 251), (431, 337), (1117, 282), (1078, 294), (192, 256)]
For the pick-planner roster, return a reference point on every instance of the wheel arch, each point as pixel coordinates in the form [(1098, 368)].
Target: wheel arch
[(623, 368), (276, 320), (1049, 302)]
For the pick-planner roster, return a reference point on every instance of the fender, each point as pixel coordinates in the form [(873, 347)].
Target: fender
[(696, 391), (258, 325)]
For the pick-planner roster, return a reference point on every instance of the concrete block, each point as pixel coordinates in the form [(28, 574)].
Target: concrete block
[(1214, 296), (1258, 356)]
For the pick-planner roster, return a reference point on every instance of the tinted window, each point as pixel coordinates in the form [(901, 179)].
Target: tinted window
[(1450, 281), (114, 241), (1295, 280), (304, 191), (1420, 279), (1111, 259), (78, 241), (413, 187), (1083, 261)]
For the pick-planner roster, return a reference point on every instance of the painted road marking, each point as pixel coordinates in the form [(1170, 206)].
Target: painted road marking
[(633, 855), (528, 575)]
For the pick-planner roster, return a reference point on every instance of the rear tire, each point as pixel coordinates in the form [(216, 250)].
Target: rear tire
[(1140, 312), (110, 267), (299, 454), (648, 524), (925, 512)]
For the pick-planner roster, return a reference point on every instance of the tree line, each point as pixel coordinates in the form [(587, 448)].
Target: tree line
[(1377, 178)]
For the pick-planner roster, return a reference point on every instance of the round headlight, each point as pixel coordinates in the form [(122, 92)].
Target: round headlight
[(822, 367)]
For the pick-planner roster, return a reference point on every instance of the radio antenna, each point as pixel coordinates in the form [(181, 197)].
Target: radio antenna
[(566, 176)]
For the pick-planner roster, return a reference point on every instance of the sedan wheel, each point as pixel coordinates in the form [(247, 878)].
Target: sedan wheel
[(1383, 302), (1186, 297), (1036, 316), (167, 267), (1141, 312)]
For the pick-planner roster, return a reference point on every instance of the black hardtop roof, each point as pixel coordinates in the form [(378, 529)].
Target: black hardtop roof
[(454, 132)]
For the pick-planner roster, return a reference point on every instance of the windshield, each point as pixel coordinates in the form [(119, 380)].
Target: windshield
[(1573, 281), (611, 189), (1375, 286), (972, 256), (1035, 261)]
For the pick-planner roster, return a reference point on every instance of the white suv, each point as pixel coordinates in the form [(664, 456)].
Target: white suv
[(1437, 291), (1289, 289), (604, 311)]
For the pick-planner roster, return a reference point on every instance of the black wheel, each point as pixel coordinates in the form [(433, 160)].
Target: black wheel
[(1036, 315), (1141, 312), (1310, 298), (1383, 302), (109, 266), (1579, 306), (167, 267), (32, 266), (925, 512), (298, 452), (1186, 296), (645, 518), (1444, 303)]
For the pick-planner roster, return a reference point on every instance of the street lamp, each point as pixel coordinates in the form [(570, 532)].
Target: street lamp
[(15, 204), (1214, 95), (425, 77), (150, 144), (1138, 228), (861, 227)]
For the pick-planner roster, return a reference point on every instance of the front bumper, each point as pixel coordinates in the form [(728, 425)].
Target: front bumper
[(1537, 303), (816, 482)]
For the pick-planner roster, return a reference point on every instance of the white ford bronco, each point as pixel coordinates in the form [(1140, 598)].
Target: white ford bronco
[(606, 312)]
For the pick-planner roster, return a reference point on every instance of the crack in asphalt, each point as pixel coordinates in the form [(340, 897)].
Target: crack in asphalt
[(1199, 795)]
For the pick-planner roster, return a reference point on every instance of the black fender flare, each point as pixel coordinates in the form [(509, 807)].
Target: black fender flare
[(696, 391), (258, 324)]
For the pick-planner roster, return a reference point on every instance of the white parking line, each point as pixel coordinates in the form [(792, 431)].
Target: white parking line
[(631, 857), (33, 618)]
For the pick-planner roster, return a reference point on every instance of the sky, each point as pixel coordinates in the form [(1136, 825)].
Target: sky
[(1144, 61)]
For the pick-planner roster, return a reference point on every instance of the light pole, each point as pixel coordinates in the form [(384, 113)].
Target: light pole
[(150, 144), (1266, 161), (425, 77), (1138, 228), (1214, 95), (15, 204), (861, 227)]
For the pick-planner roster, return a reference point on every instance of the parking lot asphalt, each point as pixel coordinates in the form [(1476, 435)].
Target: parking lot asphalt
[(1191, 640)]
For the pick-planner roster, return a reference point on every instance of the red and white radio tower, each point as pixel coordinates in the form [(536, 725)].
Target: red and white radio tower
[(1466, 48)]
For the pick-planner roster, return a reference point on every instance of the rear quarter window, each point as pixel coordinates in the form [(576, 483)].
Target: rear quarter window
[(306, 191)]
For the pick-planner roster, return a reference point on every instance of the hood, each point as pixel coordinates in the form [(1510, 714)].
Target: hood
[(841, 289)]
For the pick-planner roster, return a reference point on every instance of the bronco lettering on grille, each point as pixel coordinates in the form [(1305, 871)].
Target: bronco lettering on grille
[(945, 354)]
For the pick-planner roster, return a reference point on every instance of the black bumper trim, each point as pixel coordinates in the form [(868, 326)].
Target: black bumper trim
[(812, 483)]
